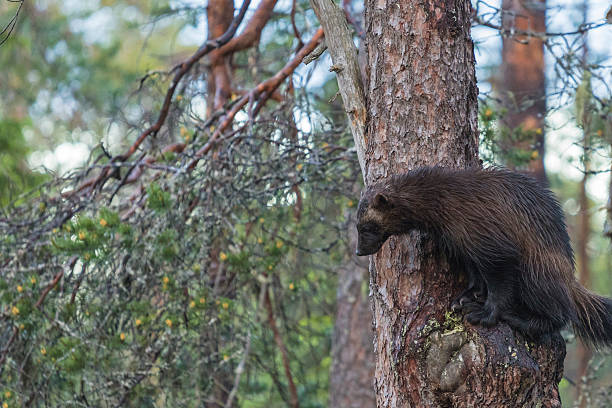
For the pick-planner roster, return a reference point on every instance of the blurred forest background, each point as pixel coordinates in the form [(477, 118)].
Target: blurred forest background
[(176, 218)]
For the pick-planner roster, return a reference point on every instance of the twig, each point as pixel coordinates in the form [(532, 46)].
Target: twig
[(8, 346), (54, 283), (583, 28), (283, 349), (239, 371), (316, 53), (296, 32), (10, 26), (77, 285), (346, 6)]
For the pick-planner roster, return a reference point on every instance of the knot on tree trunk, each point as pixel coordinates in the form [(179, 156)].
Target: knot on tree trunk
[(468, 366)]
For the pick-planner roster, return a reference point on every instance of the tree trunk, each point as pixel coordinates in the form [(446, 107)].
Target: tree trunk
[(523, 83), (351, 383), (421, 110), (583, 354), (219, 16)]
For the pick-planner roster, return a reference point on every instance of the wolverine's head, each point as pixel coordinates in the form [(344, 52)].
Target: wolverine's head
[(374, 209)]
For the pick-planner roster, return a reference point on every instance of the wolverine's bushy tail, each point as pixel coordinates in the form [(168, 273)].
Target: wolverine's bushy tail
[(593, 321)]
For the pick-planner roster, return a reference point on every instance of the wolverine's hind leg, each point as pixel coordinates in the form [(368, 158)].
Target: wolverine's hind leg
[(535, 328), (501, 282)]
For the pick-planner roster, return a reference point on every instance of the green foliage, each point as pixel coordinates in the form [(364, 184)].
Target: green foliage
[(15, 175), (158, 199), (502, 145), (169, 294)]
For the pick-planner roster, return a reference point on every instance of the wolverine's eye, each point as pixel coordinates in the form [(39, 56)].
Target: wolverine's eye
[(368, 229)]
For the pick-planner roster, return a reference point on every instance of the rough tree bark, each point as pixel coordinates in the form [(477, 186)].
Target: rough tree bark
[(522, 82), (421, 110)]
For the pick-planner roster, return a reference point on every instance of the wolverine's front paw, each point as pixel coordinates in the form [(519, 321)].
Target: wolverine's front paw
[(467, 297), (483, 316)]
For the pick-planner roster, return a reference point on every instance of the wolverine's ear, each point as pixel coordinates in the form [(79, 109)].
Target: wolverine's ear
[(381, 201)]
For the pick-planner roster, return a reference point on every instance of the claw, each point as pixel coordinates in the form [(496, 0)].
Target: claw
[(484, 316)]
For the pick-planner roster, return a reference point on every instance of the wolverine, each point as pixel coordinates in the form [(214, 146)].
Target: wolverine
[(506, 231)]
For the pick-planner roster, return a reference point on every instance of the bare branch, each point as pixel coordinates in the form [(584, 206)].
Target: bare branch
[(251, 33), (268, 86), (344, 57), (283, 349)]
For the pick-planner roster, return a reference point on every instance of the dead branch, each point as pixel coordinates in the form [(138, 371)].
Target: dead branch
[(344, 57), (513, 32), (346, 6), (251, 33), (54, 282), (8, 346), (296, 32), (283, 349)]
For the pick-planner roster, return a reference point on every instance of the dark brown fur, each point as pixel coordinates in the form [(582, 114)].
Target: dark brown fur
[(508, 234)]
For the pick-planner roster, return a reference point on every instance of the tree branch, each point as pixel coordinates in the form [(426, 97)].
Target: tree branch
[(54, 283), (252, 32), (512, 32), (344, 57), (283, 349), (182, 70), (268, 86)]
